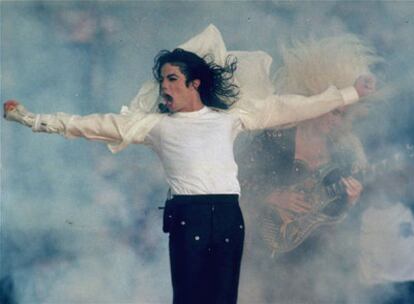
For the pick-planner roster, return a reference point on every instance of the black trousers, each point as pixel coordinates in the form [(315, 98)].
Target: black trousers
[(206, 245)]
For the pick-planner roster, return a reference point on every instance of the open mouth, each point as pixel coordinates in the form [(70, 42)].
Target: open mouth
[(168, 99)]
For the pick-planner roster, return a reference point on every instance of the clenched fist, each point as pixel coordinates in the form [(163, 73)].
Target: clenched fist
[(365, 85), (9, 106), (14, 111)]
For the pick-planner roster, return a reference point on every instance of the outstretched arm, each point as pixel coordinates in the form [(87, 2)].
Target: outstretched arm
[(103, 127), (279, 110)]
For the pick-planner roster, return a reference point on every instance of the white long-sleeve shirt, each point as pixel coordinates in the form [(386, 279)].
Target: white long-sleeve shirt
[(196, 148)]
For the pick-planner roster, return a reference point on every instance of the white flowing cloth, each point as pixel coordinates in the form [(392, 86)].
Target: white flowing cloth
[(252, 77)]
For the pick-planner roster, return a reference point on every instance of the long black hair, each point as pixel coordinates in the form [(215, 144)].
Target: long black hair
[(216, 82)]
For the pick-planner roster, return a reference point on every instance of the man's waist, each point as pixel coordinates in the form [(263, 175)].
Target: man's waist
[(226, 198)]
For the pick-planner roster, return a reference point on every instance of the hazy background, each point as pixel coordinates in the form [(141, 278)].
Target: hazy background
[(80, 225)]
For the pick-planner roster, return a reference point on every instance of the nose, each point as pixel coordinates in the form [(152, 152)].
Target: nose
[(164, 85)]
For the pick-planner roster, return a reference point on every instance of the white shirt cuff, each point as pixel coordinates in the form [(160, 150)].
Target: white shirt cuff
[(349, 95), (36, 124)]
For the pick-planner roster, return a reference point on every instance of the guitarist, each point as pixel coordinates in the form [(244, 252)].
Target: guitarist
[(295, 153), (319, 142), (314, 270)]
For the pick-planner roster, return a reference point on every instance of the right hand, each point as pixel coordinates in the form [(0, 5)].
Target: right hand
[(9, 106), (14, 111), (288, 200)]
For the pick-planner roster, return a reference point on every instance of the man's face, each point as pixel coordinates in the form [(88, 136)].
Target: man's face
[(173, 89)]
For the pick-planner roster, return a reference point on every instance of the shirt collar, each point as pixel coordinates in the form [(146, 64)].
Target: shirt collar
[(200, 112)]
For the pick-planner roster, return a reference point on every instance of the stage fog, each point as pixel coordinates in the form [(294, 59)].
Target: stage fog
[(81, 225)]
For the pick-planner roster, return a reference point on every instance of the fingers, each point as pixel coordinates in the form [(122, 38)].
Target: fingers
[(297, 203), (9, 105), (289, 200), (365, 85), (353, 189), (370, 82), (352, 184)]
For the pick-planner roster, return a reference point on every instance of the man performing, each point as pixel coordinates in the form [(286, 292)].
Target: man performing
[(194, 142), (289, 233), (302, 181)]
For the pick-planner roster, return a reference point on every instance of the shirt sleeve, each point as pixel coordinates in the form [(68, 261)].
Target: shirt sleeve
[(103, 127), (281, 110), (118, 130)]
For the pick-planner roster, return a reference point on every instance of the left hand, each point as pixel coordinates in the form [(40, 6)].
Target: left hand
[(365, 85), (353, 189)]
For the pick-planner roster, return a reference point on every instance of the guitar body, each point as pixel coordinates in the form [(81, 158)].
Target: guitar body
[(326, 196)]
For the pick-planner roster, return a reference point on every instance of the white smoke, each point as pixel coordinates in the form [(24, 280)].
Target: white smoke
[(79, 225)]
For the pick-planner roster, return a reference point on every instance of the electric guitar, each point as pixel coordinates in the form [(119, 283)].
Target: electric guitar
[(325, 193)]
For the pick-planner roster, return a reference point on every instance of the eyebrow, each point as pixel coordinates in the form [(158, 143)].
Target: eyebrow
[(169, 75), (172, 74)]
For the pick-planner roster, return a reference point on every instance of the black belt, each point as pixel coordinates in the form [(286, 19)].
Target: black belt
[(206, 198), (203, 199)]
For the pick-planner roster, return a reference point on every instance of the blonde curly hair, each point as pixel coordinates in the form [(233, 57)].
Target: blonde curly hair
[(310, 67)]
